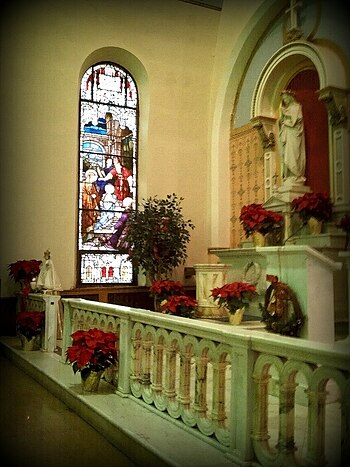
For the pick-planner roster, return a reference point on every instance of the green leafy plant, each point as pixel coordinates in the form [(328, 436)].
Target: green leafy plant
[(157, 236)]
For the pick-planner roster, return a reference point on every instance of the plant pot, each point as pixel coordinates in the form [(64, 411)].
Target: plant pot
[(90, 380), (236, 317), (315, 226), (28, 344), (258, 239)]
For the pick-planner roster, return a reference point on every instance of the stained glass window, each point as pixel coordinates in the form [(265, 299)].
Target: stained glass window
[(107, 173)]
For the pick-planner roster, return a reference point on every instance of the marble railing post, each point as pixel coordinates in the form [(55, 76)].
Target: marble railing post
[(67, 327), (51, 317)]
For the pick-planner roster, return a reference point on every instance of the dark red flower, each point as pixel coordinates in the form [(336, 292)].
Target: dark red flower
[(24, 270), (181, 305), (30, 323), (165, 288), (234, 295), (94, 349), (255, 218), (318, 205)]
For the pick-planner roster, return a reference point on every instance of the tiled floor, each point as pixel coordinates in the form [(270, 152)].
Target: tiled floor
[(38, 430)]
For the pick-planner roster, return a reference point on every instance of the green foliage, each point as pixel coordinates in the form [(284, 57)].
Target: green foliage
[(158, 235)]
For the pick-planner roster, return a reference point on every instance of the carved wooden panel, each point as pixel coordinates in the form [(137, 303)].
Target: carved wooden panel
[(247, 175)]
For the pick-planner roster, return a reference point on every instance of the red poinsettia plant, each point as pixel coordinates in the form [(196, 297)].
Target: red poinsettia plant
[(30, 323), (24, 271), (317, 205), (165, 288), (234, 295), (92, 350), (180, 305), (255, 218)]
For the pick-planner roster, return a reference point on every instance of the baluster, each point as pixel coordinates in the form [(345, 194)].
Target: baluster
[(157, 384), (260, 427), (219, 393), (286, 443), (146, 361), (185, 377), (136, 357), (170, 375), (200, 405), (316, 427)]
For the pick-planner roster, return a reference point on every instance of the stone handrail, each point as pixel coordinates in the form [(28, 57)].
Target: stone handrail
[(218, 381)]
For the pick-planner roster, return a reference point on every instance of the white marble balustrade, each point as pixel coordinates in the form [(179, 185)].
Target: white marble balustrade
[(241, 390)]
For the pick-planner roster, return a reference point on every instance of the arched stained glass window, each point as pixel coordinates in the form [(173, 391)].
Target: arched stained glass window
[(107, 173)]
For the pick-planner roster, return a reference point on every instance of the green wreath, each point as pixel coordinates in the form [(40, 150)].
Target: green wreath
[(291, 320)]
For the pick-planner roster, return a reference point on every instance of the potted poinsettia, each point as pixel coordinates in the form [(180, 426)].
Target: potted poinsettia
[(235, 297), (91, 353), (313, 207), (255, 219), (24, 272), (29, 325), (163, 289), (180, 305)]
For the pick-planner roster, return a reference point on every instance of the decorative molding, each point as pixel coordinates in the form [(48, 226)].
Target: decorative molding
[(266, 134), (335, 101)]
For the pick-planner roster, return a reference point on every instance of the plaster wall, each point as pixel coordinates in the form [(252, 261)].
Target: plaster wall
[(171, 50)]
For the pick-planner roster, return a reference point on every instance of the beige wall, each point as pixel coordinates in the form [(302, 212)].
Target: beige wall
[(173, 49)]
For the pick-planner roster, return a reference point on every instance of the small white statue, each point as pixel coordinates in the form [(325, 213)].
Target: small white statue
[(48, 279)]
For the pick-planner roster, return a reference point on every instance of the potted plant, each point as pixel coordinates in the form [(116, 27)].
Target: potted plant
[(313, 207), (29, 325), (91, 353), (344, 224), (180, 305), (255, 219), (24, 272), (157, 236), (234, 296), (163, 289)]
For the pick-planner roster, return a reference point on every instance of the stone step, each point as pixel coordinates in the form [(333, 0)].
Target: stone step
[(148, 437)]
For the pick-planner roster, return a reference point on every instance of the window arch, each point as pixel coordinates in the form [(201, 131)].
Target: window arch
[(107, 173)]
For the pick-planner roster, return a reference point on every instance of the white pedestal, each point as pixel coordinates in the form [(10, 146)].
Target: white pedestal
[(209, 276)]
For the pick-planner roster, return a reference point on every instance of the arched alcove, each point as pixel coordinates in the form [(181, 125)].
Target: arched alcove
[(284, 70)]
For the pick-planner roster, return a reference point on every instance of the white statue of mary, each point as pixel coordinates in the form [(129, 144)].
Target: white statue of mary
[(48, 279), (292, 139)]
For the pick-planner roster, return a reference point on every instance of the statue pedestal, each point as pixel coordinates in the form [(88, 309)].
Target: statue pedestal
[(209, 276)]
